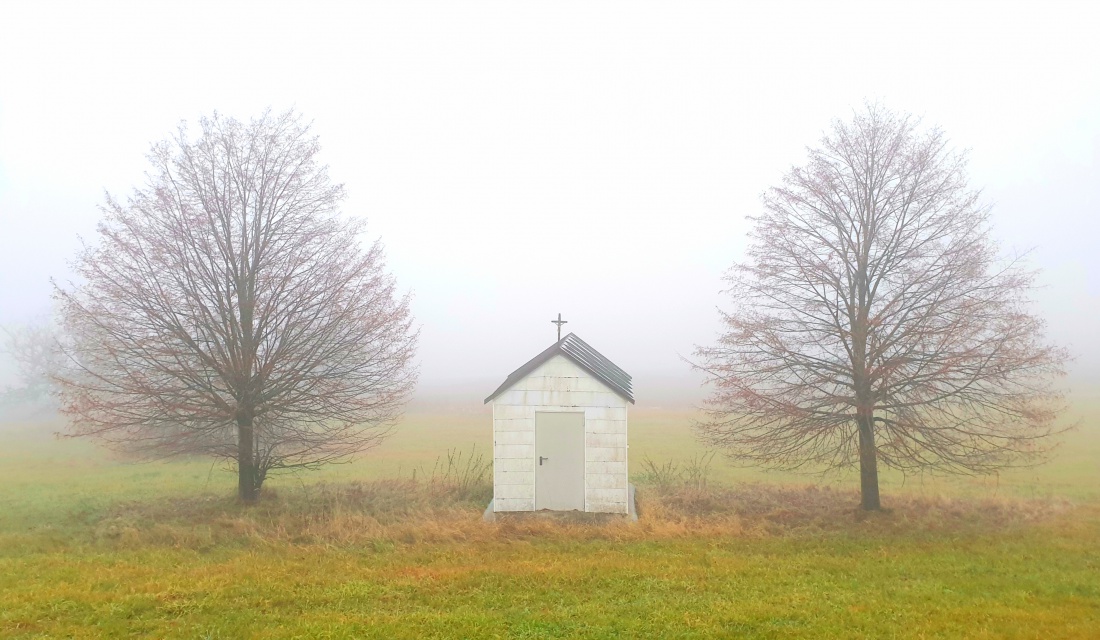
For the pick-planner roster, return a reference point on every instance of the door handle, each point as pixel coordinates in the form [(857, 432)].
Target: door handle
[(541, 459)]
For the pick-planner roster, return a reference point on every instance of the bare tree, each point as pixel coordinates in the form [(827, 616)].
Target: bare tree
[(35, 349), (875, 322), (228, 311)]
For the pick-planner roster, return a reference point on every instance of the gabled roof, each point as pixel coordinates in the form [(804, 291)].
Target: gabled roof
[(585, 357)]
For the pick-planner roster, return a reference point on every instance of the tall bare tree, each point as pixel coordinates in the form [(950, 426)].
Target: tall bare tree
[(227, 310), (874, 321)]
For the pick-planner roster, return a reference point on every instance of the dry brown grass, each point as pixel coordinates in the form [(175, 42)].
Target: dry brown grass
[(384, 513), (775, 510)]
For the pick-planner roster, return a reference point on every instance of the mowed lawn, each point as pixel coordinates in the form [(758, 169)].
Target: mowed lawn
[(93, 546)]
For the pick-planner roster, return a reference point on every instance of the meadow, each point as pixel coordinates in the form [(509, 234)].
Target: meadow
[(393, 546)]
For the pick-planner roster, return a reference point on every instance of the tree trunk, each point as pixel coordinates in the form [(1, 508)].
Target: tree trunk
[(868, 462), (246, 460)]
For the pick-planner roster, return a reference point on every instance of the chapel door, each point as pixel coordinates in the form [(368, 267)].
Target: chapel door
[(559, 461)]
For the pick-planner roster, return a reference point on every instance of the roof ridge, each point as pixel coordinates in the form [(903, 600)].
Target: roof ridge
[(582, 354)]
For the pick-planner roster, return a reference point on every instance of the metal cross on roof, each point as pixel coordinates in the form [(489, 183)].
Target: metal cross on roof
[(559, 322)]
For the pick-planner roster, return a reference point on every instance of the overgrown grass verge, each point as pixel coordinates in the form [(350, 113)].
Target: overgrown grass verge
[(444, 507), (783, 510)]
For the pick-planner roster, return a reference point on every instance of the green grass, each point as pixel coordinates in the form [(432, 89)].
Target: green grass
[(989, 587), (91, 546), (1072, 472)]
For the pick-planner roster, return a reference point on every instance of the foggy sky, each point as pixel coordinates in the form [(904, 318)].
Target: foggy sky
[(594, 159)]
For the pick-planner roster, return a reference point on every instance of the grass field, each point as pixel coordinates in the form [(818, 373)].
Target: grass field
[(91, 546)]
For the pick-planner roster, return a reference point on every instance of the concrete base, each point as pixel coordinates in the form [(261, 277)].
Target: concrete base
[(632, 507)]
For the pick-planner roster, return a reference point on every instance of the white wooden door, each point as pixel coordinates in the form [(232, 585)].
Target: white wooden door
[(559, 461)]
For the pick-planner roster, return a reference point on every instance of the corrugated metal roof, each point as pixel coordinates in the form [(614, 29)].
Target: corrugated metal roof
[(584, 356)]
